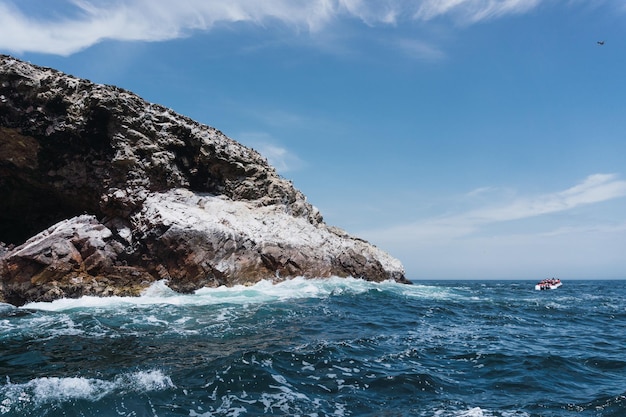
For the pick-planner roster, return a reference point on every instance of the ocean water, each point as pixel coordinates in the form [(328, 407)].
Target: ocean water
[(335, 347)]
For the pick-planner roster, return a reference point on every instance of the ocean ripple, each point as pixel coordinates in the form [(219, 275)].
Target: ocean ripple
[(331, 347)]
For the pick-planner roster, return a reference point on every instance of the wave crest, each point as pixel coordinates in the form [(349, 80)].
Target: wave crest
[(45, 391), (262, 292)]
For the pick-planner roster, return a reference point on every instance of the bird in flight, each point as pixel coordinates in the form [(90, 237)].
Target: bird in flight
[(600, 43)]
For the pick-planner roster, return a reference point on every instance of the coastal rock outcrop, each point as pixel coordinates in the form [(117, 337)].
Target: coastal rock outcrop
[(103, 193)]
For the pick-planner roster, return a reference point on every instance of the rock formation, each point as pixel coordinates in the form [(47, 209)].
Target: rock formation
[(103, 193)]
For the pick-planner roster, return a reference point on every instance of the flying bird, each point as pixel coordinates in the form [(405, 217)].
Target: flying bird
[(600, 43)]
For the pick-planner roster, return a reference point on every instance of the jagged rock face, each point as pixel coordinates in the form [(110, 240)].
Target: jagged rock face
[(68, 147), (81, 147), (75, 257)]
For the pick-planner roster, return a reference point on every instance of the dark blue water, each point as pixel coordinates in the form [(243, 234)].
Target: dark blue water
[(322, 348)]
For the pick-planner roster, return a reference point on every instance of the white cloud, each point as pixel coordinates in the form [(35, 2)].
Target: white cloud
[(517, 239), (158, 20), (472, 11), (587, 229), (143, 20), (577, 252), (419, 49), (370, 12), (594, 189), (278, 156), (481, 191)]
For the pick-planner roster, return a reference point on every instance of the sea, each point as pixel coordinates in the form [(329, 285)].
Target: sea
[(322, 347)]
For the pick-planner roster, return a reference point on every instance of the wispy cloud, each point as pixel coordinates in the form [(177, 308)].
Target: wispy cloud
[(157, 20), (594, 189), (512, 239), (480, 191), (419, 49), (587, 229), (278, 156), (471, 11)]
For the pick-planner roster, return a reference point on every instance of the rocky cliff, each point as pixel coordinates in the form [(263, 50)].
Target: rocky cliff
[(102, 193)]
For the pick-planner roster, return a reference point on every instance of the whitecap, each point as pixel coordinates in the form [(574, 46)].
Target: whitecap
[(145, 381), (479, 412), (6, 309), (42, 391), (472, 412)]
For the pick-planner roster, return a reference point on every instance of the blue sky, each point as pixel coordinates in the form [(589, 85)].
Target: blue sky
[(469, 138)]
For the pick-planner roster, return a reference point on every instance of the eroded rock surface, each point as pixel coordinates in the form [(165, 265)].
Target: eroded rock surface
[(110, 193)]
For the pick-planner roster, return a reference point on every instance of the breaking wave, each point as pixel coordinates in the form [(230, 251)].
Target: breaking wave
[(54, 391), (321, 347), (262, 292)]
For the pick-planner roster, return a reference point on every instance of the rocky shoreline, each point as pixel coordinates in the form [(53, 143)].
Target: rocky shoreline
[(103, 193)]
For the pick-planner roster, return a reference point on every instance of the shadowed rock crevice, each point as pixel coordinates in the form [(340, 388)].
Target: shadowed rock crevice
[(37, 189), (103, 193)]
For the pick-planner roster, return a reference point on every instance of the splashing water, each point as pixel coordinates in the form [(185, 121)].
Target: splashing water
[(323, 347)]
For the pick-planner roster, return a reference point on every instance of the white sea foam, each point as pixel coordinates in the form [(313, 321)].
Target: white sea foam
[(478, 412), (231, 406), (6, 309), (283, 399), (45, 327), (54, 390), (261, 292), (472, 412)]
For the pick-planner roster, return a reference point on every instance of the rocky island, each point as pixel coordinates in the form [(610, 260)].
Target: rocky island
[(103, 193)]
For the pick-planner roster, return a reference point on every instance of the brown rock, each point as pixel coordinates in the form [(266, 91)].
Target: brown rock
[(165, 197)]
